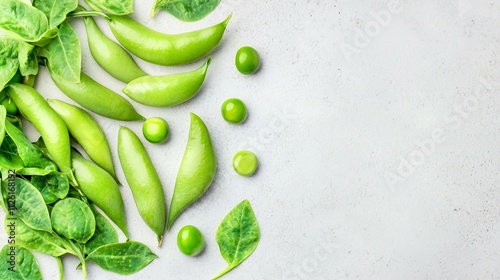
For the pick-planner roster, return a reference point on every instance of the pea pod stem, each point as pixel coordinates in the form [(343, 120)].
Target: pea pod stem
[(88, 14)]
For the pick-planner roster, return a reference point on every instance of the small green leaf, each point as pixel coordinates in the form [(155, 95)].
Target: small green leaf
[(28, 60), (186, 10), (238, 235), (3, 115), (64, 54), (26, 21), (114, 7), (53, 186), (55, 10), (73, 219), (17, 263), (104, 234), (9, 52), (9, 159), (123, 258)]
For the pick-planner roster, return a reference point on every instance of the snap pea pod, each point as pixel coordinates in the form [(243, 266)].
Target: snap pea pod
[(169, 90), (111, 56), (143, 181), (50, 125), (87, 133), (98, 98), (166, 49), (100, 188), (197, 169)]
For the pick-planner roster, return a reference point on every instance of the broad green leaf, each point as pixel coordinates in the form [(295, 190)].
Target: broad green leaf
[(238, 235), (65, 55), (114, 7), (55, 10), (123, 258), (73, 219), (33, 171), (28, 60), (17, 263), (9, 159), (104, 234), (186, 10), (25, 202), (44, 242), (9, 49), (26, 21), (53, 186), (3, 115)]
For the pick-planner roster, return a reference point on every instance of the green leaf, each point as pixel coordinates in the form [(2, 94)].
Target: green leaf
[(22, 19), (17, 263), (104, 234), (123, 258), (238, 235), (28, 60), (3, 115), (65, 55), (9, 159), (186, 10), (55, 10), (25, 202), (53, 186), (44, 242), (8, 59), (73, 219), (114, 7)]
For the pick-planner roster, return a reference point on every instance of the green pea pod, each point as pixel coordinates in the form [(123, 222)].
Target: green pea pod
[(143, 181), (111, 56), (98, 98), (100, 188), (50, 125), (169, 90), (166, 49), (87, 133), (197, 169)]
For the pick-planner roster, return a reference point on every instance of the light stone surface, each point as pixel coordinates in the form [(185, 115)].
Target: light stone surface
[(375, 123)]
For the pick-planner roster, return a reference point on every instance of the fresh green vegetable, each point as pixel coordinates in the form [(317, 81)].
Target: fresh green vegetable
[(10, 107), (190, 241), (104, 233), (247, 60), (73, 219), (53, 185), (234, 111), (186, 10), (197, 169), (100, 188), (143, 181), (87, 133), (55, 10), (123, 258), (155, 130), (166, 49), (169, 90), (114, 7), (18, 263), (22, 19), (245, 163), (3, 115), (98, 98), (9, 58), (17, 78), (237, 236), (52, 128), (111, 56)]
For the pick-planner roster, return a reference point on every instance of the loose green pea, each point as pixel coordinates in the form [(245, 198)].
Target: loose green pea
[(190, 241), (197, 169), (247, 60), (245, 163), (10, 107), (234, 111), (166, 49), (111, 56), (50, 125), (100, 188), (143, 181), (87, 133), (155, 130), (169, 90)]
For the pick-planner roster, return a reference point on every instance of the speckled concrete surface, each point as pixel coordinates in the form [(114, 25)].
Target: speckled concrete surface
[(376, 125)]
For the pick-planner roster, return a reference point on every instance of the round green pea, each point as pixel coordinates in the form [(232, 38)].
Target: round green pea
[(247, 60), (155, 130), (190, 241), (9, 105), (245, 163), (234, 111)]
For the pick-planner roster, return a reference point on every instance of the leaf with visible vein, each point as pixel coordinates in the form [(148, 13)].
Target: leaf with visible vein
[(64, 54), (23, 267), (29, 206), (114, 7), (186, 10), (55, 10), (22, 19)]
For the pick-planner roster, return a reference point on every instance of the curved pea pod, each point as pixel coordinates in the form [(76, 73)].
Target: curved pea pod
[(87, 133), (143, 181), (111, 56), (169, 90), (101, 189), (197, 169), (50, 125), (166, 49), (98, 98)]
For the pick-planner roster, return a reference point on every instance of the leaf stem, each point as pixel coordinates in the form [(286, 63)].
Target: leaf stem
[(61, 268), (88, 14), (229, 268)]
